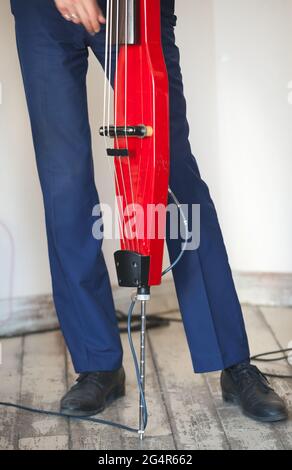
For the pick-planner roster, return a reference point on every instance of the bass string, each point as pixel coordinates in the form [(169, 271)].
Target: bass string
[(126, 118), (143, 121), (121, 169), (107, 105), (131, 236), (152, 216), (107, 116)]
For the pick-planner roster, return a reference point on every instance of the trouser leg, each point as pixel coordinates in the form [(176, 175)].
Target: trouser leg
[(206, 293), (53, 57)]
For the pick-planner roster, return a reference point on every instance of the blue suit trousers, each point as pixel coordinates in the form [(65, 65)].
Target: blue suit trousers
[(53, 56)]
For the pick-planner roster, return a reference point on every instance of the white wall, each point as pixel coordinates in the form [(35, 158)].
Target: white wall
[(20, 201), (237, 63), (253, 40)]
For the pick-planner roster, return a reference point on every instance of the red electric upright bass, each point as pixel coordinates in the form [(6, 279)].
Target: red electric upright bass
[(136, 134)]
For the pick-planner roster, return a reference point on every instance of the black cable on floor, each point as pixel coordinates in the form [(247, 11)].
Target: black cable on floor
[(63, 415), (263, 358)]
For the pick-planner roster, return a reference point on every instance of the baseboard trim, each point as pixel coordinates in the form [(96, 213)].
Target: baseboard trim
[(268, 289), (35, 314)]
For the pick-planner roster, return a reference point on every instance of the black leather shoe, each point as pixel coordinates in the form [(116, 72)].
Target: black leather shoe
[(246, 386), (93, 392)]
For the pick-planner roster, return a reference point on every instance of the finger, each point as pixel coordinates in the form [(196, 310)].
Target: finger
[(74, 15), (100, 15), (63, 11), (95, 16), (84, 18), (75, 18)]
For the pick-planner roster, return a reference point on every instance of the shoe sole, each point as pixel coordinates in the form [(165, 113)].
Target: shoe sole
[(229, 398), (116, 393)]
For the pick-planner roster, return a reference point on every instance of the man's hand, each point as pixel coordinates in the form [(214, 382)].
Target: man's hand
[(85, 12)]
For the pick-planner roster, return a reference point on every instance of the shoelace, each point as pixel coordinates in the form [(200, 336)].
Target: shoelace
[(247, 375), (90, 378)]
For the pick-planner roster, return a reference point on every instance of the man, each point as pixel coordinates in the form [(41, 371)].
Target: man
[(53, 40)]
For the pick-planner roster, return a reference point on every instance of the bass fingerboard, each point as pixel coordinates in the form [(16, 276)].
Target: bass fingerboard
[(124, 21)]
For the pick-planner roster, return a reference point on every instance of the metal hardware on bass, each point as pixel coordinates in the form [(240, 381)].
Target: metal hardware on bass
[(128, 131), (132, 269)]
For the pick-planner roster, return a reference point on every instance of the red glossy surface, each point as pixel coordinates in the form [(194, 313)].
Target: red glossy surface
[(141, 97)]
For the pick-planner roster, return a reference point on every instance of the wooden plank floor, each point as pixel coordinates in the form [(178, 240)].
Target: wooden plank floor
[(185, 410)]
